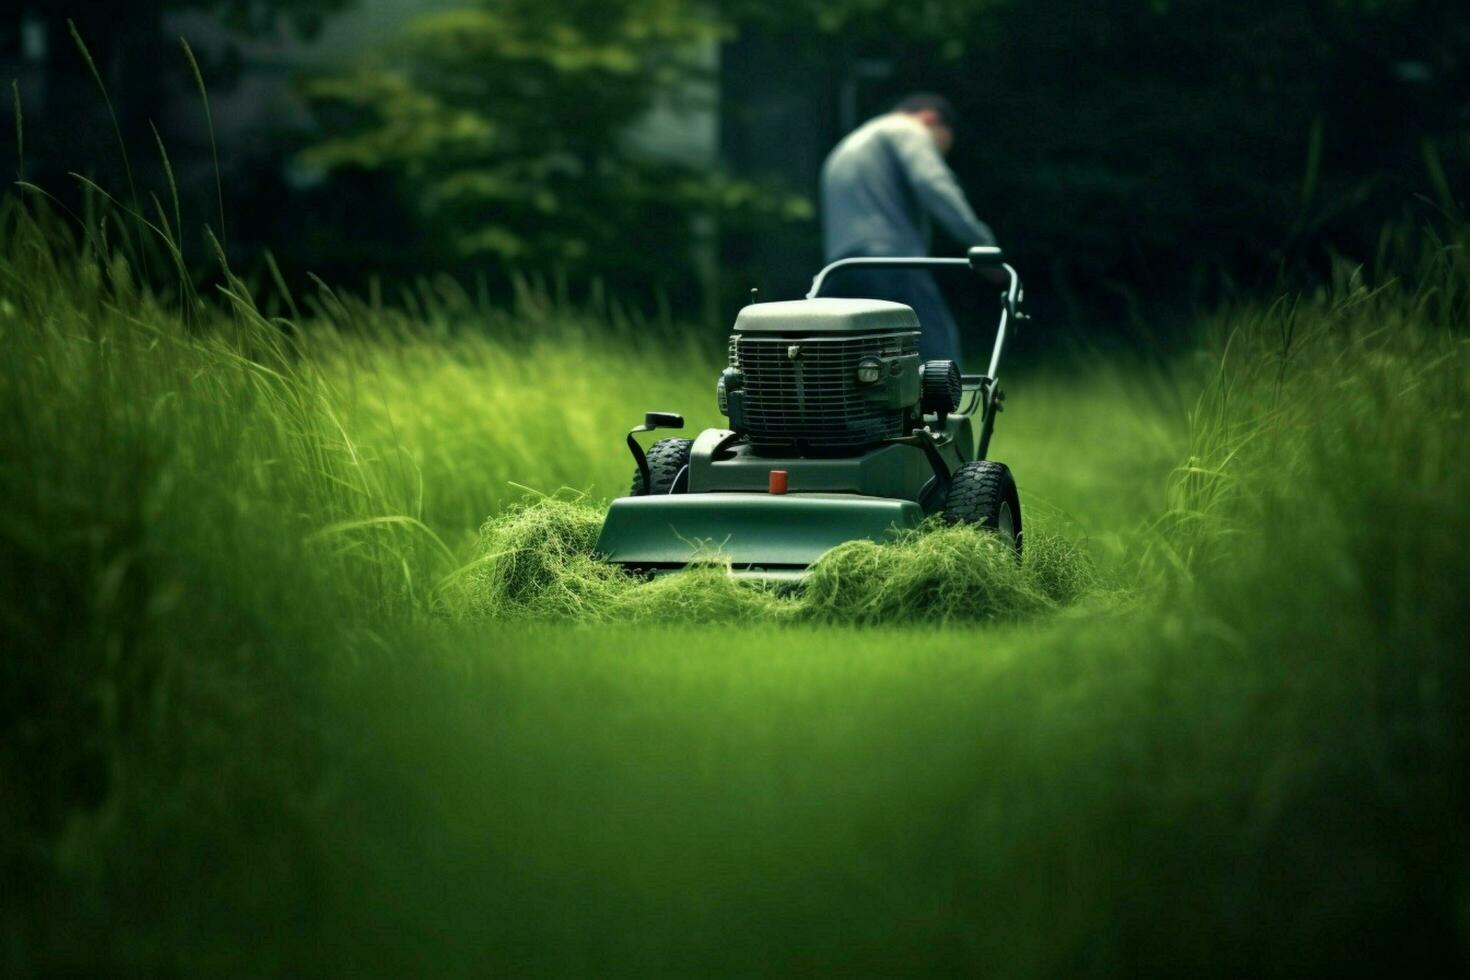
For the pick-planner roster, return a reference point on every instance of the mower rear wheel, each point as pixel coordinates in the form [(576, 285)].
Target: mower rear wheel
[(984, 493), (667, 458)]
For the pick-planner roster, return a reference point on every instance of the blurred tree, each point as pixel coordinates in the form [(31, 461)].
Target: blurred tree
[(505, 127), (1134, 155)]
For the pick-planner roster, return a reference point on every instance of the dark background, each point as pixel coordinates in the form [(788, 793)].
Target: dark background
[(1140, 161)]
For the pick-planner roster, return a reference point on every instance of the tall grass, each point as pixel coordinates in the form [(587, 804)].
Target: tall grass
[(251, 722)]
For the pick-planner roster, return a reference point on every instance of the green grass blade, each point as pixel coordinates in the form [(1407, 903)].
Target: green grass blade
[(20, 133), (173, 186), (122, 145), (219, 184)]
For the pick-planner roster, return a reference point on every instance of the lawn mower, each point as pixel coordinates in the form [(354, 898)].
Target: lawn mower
[(837, 432)]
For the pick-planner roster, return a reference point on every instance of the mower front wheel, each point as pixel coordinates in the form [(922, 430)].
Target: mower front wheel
[(667, 460), (984, 493)]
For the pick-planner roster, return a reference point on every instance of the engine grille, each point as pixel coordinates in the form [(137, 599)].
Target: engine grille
[(814, 398)]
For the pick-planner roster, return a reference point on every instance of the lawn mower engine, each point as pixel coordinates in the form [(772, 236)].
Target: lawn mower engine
[(836, 432), (827, 377)]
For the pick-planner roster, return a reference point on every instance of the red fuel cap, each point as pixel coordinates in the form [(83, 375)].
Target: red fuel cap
[(778, 481)]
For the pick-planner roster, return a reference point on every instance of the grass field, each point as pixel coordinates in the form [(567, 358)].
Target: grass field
[(270, 700)]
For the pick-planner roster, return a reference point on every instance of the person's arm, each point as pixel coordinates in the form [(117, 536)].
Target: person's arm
[(935, 187)]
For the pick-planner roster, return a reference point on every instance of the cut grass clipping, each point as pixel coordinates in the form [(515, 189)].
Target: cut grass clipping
[(536, 563)]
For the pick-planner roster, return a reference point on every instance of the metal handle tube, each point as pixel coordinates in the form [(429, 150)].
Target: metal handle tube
[(1012, 295), (895, 262), (1009, 307)]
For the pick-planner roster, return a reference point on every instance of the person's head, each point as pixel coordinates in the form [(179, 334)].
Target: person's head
[(934, 111)]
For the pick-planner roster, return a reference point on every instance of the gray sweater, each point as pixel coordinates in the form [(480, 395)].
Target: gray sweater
[(880, 187)]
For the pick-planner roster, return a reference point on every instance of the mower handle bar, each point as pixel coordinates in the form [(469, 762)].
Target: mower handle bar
[(979, 257)]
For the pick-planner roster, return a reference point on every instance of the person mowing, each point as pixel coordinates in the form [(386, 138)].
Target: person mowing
[(882, 187)]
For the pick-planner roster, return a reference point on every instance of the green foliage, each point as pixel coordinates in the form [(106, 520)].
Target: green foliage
[(507, 124), (252, 718)]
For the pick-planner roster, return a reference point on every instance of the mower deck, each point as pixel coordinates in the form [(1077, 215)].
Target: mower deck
[(765, 535)]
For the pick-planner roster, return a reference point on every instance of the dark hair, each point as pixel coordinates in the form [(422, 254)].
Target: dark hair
[(920, 101)]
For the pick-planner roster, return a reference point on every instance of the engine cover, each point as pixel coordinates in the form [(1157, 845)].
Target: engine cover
[(823, 374)]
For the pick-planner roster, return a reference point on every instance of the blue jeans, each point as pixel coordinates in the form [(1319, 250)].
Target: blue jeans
[(939, 338)]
